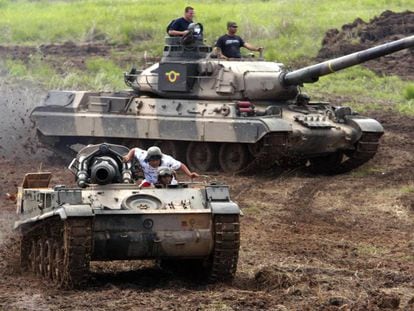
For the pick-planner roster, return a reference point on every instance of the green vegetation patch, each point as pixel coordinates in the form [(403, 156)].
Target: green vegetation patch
[(363, 90), (101, 74), (288, 29)]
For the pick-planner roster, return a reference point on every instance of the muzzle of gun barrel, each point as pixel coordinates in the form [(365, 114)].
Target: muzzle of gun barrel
[(104, 170)]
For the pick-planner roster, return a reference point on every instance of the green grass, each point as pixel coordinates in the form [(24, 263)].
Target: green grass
[(100, 74), (288, 29), (291, 32), (407, 189), (409, 91), (363, 90), (365, 171), (371, 250)]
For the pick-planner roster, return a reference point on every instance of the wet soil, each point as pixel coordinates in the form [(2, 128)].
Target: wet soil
[(308, 242)]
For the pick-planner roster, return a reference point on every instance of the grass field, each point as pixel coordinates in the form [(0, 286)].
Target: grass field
[(290, 31)]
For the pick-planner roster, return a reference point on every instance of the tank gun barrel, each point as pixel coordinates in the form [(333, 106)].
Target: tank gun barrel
[(101, 164), (104, 170), (312, 73)]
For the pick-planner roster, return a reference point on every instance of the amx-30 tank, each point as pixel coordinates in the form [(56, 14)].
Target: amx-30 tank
[(212, 113), (107, 217)]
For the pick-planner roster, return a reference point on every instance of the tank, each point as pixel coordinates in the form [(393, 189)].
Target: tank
[(107, 217), (233, 115)]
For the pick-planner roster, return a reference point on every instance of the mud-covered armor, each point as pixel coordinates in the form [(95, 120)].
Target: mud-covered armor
[(220, 114), (63, 228)]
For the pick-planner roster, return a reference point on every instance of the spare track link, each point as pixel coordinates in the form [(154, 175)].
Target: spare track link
[(226, 247)]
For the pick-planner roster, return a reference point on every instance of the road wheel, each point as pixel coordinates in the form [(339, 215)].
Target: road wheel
[(40, 257), (57, 255), (47, 259), (233, 157), (33, 257), (202, 157)]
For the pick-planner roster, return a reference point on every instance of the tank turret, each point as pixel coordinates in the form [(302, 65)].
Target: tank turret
[(209, 78)]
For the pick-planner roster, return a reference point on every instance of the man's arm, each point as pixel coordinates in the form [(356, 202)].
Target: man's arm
[(190, 174), (129, 156), (176, 28), (252, 47), (217, 51), (177, 33), (218, 48)]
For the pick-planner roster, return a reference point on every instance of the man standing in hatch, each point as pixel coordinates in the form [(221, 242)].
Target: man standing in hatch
[(179, 27), (228, 45)]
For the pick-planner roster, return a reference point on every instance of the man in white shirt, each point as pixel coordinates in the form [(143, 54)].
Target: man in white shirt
[(153, 158)]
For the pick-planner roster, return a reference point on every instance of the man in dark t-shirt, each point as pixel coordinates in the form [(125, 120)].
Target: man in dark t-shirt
[(179, 27), (228, 45)]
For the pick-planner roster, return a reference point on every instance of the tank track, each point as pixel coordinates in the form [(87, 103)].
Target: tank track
[(59, 251), (272, 151), (365, 150), (226, 248)]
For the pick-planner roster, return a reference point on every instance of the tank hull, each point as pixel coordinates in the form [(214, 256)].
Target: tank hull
[(63, 229), (289, 131)]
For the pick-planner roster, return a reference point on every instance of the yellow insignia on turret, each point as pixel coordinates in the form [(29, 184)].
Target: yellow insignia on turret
[(172, 76)]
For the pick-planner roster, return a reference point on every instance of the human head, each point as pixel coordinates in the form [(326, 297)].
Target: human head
[(189, 13), (165, 175), (154, 156), (232, 27)]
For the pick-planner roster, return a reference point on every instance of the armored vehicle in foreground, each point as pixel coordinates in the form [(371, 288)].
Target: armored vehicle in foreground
[(107, 217), (230, 114)]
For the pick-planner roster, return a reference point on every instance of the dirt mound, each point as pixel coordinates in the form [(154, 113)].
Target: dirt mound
[(361, 35)]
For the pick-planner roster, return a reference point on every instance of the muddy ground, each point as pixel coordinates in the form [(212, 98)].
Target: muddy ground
[(308, 242)]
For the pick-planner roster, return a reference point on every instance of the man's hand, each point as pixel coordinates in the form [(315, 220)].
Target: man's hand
[(129, 156), (260, 49), (193, 175)]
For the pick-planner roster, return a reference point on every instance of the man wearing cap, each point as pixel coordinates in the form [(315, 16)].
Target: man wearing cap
[(228, 45), (153, 158), (179, 26)]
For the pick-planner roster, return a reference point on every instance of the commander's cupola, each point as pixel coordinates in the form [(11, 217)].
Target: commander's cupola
[(188, 47)]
